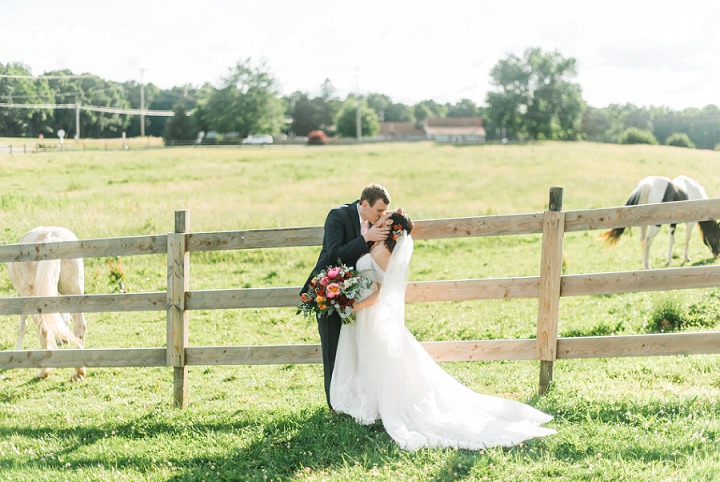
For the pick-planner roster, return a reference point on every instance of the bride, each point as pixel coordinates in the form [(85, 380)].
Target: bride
[(382, 371)]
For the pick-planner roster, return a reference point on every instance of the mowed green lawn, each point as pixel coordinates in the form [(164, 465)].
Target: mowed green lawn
[(617, 419)]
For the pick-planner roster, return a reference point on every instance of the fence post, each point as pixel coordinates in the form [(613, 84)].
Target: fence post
[(550, 281), (178, 281)]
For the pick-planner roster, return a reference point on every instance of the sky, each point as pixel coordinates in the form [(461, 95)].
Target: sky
[(658, 53)]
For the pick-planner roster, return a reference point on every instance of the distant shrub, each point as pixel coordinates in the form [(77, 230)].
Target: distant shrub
[(600, 329), (705, 313), (634, 135), (667, 316), (317, 138), (680, 139)]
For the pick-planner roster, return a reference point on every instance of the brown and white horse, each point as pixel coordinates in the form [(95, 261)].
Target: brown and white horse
[(51, 277), (659, 189)]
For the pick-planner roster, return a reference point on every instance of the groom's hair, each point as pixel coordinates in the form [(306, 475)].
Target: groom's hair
[(373, 192)]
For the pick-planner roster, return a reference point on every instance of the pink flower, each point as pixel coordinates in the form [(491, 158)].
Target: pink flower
[(335, 272), (332, 290), (324, 280)]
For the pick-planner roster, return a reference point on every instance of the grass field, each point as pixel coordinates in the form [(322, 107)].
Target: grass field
[(617, 419)]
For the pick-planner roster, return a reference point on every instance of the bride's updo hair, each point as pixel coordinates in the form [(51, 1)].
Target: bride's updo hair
[(400, 222)]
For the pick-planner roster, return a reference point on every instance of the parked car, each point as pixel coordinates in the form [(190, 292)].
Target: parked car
[(258, 139)]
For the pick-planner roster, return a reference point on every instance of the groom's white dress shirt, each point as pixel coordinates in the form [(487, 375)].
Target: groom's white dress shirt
[(364, 225)]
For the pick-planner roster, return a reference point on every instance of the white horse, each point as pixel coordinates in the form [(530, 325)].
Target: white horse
[(51, 277), (659, 189)]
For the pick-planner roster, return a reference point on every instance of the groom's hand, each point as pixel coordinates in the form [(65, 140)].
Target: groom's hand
[(380, 230)]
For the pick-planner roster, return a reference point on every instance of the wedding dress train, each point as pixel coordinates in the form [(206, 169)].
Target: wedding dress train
[(382, 372)]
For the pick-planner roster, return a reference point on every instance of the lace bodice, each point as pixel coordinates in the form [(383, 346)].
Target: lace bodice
[(367, 267)]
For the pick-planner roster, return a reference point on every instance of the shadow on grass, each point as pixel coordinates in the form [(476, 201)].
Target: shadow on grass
[(303, 443), (11, 396), (704, 262), (278, 446), (285, 446)]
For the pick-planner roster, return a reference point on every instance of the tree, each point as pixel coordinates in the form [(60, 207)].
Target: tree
[(425, 109), (463, 108), (421, 112), (379, 103), (679, 139), (595, 125), (664, 123), (313, 114), (398, 112), (201, 117), (25, 122), (89, 90), (303, 112), (346, 122), (247, 102), (329, 105), (633, 135), (154, 98), (701, 125), (67, 91), (180, 126), (535, 96), (626, 116), (102, 93)]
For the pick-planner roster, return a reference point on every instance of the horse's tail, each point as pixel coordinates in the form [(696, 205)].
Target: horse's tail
[(52, 325), (612, 236), (638, 196), (55, 328)]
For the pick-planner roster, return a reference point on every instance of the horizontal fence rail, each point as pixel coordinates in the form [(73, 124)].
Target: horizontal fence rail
[(179, 300), (639, 345), (96, 357), (85, 303), (88, 248), (646, 214), (417, 292)]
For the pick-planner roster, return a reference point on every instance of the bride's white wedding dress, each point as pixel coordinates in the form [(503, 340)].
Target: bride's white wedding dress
[(382, 372)]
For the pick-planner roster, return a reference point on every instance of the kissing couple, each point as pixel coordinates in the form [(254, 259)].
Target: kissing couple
[(375, 369)]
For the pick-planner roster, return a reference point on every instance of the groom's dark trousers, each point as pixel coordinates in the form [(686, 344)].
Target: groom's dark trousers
[(342, 242), (329, 329)]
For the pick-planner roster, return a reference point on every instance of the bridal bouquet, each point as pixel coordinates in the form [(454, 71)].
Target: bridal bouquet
[(333, 290)]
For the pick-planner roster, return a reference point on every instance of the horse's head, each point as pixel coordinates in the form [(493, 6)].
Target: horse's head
[(710, 232)]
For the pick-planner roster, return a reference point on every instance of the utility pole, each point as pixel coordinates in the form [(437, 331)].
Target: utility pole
[(77, 118), (142, 104)]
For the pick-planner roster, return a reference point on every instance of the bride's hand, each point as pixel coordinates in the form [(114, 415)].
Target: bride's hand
[(365, 303)]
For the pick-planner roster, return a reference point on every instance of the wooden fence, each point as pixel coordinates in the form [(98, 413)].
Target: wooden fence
[(178, 300)]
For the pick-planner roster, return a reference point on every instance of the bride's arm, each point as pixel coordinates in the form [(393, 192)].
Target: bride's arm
[(368, 301)]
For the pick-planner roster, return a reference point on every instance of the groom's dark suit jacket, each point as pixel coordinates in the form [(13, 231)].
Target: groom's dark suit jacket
[(342, 239)]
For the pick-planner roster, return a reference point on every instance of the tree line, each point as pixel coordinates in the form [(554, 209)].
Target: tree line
[(533, 96)]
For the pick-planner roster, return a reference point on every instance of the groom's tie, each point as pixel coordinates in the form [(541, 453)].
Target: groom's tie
[(366, 225)]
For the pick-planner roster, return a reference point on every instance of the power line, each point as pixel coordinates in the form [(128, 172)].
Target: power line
[(55, 94), (93, 108), (39, 77)]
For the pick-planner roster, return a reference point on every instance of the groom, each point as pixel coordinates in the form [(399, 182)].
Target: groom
[(349, 228)]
